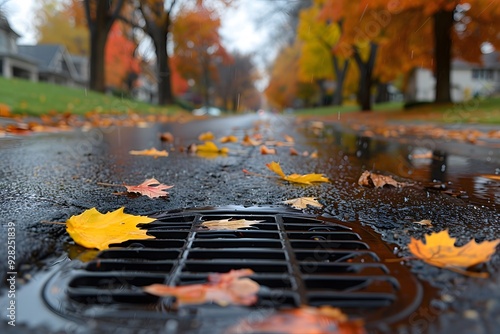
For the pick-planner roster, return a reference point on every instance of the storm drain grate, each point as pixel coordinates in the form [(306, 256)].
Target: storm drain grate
[(297, 259)]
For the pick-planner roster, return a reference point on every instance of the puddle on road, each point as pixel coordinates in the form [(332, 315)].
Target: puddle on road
[(437, 167)]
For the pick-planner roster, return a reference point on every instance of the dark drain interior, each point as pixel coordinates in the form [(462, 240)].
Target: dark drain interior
[(297, 259)]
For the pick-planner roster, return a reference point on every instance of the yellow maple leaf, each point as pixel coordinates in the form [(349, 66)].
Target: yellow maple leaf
[(303, 202), (151, 152), (210, 150), (440, 250), (228, 224), (206, 136), (296, 178), (92, 229)]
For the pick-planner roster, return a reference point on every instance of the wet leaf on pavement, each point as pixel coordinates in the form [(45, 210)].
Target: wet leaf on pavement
[(439, 250), (228, 224), (303, 202), (151, 152), (368, 179), (229, 139), (296, 178), (151, 188), (303, 320), (167, 137), (224, 289), (92, 229), (266, 150), (206, 136)]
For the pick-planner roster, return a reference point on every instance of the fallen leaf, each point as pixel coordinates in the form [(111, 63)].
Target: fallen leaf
[(265, 150), (151, 152), (368, 179), (151, 188), (229, 139), (206, 136), (424, 222), (249, 141), (491, 177), (223, 289), (92, 229), (211, 148), (303, 320), (228, 224), (314, 155), (167, 137), (303, 202), (293, 151), (439, 250), (289, 138), (296, 178)]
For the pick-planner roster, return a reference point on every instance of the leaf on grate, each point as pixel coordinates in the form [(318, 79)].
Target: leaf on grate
[(151, 152), (439, 250), (368, 179), (303, 320), (303, 202), (228, 224), (151, 188), (296, 178), (224, 289), (92, 229)]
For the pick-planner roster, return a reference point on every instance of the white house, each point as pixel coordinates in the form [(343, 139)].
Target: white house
[(467, 80), (13, 64)]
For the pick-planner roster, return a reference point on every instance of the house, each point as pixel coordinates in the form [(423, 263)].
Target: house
[(56, 65), (13, 64), (467, 80)]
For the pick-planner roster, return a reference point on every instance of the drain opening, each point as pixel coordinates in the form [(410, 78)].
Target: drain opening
[(297, 260)]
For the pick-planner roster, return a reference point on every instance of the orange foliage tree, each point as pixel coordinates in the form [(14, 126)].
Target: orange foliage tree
[(121, 66), (198, 48)]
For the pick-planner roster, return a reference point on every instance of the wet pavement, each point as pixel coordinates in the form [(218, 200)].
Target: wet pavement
[(50, 177)]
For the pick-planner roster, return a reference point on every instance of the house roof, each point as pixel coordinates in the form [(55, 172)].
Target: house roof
[(5, 26), (488, 61), (43, 53)]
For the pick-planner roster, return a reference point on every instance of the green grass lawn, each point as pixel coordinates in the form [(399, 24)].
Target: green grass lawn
[(484, 111), (25, 97)]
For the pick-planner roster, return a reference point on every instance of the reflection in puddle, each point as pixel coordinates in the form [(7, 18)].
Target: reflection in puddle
[(427, 163)]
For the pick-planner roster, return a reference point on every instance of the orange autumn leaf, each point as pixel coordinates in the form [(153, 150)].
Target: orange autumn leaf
[(228, 224), (224, 289), (167, 137), (151, 152), (439, 250), (92, 229), (249, 141), (296, 178), (206, 136), (303, 320), (265, 150), (229, 139), (151, 188), (293, 151)]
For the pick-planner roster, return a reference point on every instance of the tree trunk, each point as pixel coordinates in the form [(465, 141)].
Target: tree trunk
[(165, 95), (340, 75), (97, 47), (365, 77), (443, 23), (382, 92)]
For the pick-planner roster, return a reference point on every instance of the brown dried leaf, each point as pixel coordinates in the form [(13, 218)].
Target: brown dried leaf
[(424, 222), (303, 202), (228, 224), (368, 179), (265, 150), (167, 137)]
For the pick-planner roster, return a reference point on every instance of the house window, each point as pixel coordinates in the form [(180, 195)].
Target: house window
[(482, 74)]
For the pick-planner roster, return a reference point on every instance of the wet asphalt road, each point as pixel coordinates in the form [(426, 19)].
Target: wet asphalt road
[(50, 177)]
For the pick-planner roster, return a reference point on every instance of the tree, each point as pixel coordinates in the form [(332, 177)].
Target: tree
[(63, 23), (197, 46), (318, 60), (121, 66), (157, 18), (100, 18), (236, 85)]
